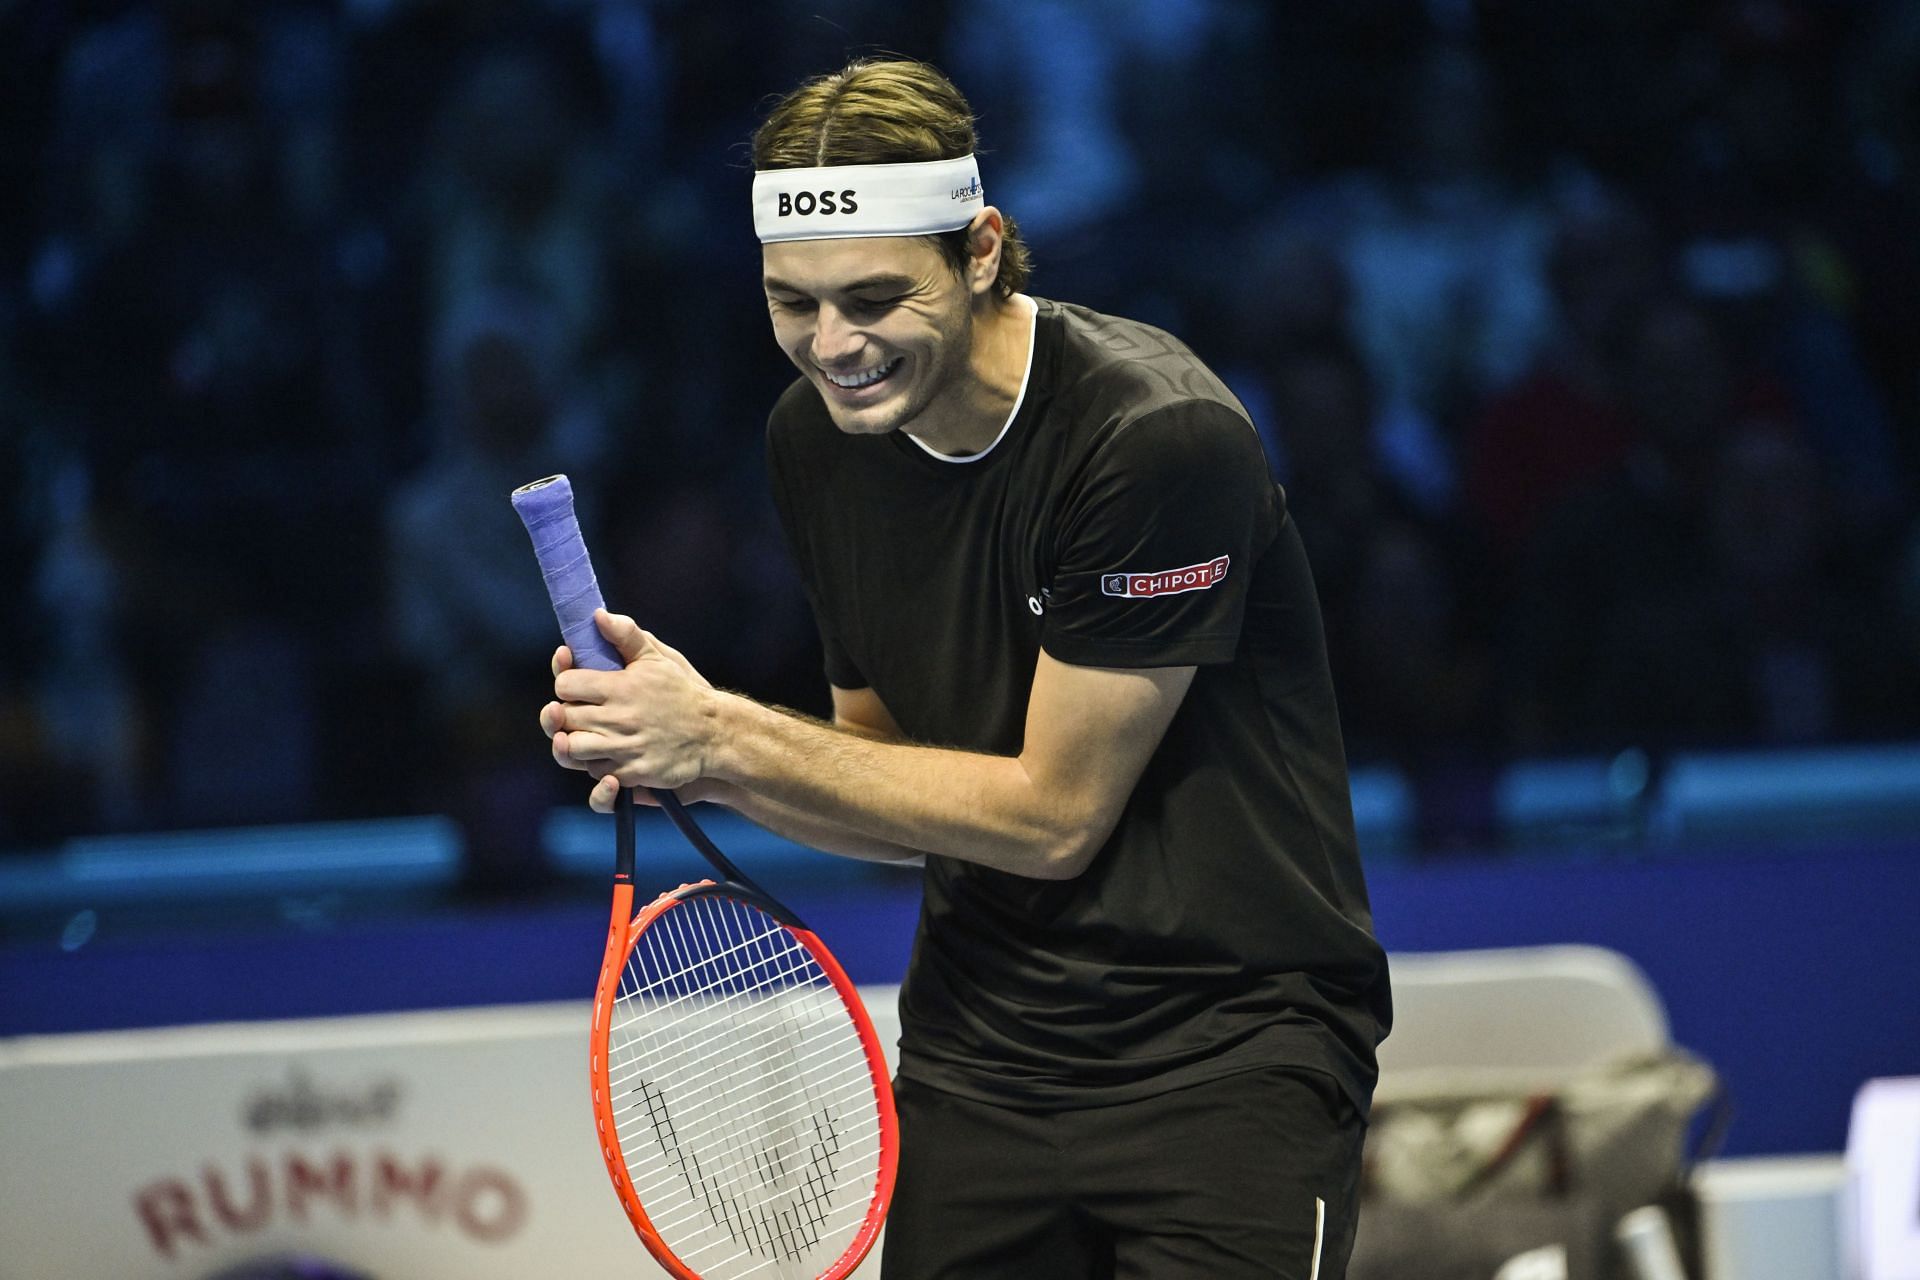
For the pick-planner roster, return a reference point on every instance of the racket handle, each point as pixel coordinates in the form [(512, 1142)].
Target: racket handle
[(546, 508), (623, 839)]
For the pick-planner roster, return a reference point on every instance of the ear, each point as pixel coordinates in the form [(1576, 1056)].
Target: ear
[(986, 236)]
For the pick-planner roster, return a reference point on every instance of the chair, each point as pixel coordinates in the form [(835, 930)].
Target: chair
[(1529, 1014)]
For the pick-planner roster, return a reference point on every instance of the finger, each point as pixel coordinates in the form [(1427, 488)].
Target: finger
[(577, 717), (604, 793), (582, 685), (562, 659), (562, 755), (623, 633), (582, 747)]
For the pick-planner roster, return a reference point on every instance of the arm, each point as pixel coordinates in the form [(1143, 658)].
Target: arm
[(855, 711), (1043, 813), (793, 824)]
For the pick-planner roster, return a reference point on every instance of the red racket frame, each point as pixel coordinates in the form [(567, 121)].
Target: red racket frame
[(623, 934)]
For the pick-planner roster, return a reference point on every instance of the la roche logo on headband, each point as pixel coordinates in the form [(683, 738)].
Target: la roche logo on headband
[(968, 192)]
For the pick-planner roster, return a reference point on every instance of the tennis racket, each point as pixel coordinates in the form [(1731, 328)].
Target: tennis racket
[(740, 1093)]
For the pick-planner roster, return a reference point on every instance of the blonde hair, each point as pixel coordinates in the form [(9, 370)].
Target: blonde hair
[(884, 112)]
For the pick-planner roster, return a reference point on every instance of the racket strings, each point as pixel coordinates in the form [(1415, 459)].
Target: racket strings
[(715, 972), (787, 1231), (803, 1219), (769, 1162), (743, 1096)]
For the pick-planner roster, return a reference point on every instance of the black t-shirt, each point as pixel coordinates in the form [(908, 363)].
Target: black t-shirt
[(1125, 518)]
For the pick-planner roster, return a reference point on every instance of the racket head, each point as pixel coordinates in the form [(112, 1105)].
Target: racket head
[(740, 1093)]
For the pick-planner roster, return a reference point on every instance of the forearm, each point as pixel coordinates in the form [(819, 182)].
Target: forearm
[(897, 796), (802, 828)]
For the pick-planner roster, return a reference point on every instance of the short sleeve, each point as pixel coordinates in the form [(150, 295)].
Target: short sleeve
[(1155, 546), (841, 673)]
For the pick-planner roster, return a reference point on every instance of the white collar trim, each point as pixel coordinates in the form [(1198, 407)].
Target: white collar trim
[(1026, 375)]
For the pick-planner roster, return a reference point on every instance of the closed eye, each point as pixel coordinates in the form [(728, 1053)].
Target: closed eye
[(874, 306)]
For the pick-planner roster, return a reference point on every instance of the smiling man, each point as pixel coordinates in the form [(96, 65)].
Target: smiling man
[(1077, 666)]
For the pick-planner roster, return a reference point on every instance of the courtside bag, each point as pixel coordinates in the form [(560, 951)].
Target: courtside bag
[(1465, 1173)]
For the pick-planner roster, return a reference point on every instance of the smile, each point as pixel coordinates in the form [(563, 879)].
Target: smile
[(867, 378)]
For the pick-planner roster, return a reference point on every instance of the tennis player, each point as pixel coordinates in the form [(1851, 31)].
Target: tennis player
[(1077, 665)]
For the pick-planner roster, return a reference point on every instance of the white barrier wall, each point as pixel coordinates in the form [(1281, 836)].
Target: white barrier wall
[(446, 1144), (451, 1144)]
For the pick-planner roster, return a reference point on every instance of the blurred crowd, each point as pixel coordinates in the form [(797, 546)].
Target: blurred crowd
[(1585, 339)]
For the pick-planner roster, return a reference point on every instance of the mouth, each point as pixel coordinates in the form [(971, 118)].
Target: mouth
[(864, 379)]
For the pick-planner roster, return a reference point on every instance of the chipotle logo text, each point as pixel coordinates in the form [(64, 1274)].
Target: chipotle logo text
[(1166, 582)]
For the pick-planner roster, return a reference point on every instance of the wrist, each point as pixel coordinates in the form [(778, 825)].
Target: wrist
[(730, 721), (708, 790)]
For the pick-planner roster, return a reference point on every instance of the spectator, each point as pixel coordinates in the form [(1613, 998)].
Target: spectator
[(1446, 251), (1756, 640), (1624, 566), (459, 559), (1760, 242), (1396, 638), (1883, 142), (1566, 423), (1803, 647), (467, 609), (129, 87), (515, 201)]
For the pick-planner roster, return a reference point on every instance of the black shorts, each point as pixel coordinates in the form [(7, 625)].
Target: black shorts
[(1256, 1174)]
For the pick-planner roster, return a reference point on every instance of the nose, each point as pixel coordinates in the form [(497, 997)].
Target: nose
[(835, 339)]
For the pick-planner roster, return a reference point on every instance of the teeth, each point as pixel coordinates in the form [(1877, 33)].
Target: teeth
[(854, 381)]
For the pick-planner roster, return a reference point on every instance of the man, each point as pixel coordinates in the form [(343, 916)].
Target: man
[(1076, 664)]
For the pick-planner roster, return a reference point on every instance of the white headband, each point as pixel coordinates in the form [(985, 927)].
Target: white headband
[(843, 201)]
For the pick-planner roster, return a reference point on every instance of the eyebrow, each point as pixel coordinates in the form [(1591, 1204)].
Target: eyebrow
[(884, 280)]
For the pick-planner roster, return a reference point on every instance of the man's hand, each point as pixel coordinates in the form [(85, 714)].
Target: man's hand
[(650, 724)]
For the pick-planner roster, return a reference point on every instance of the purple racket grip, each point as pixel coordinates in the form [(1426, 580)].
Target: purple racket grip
[(546, 508)]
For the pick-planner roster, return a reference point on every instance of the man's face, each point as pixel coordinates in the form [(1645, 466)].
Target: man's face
[(879, 325)]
